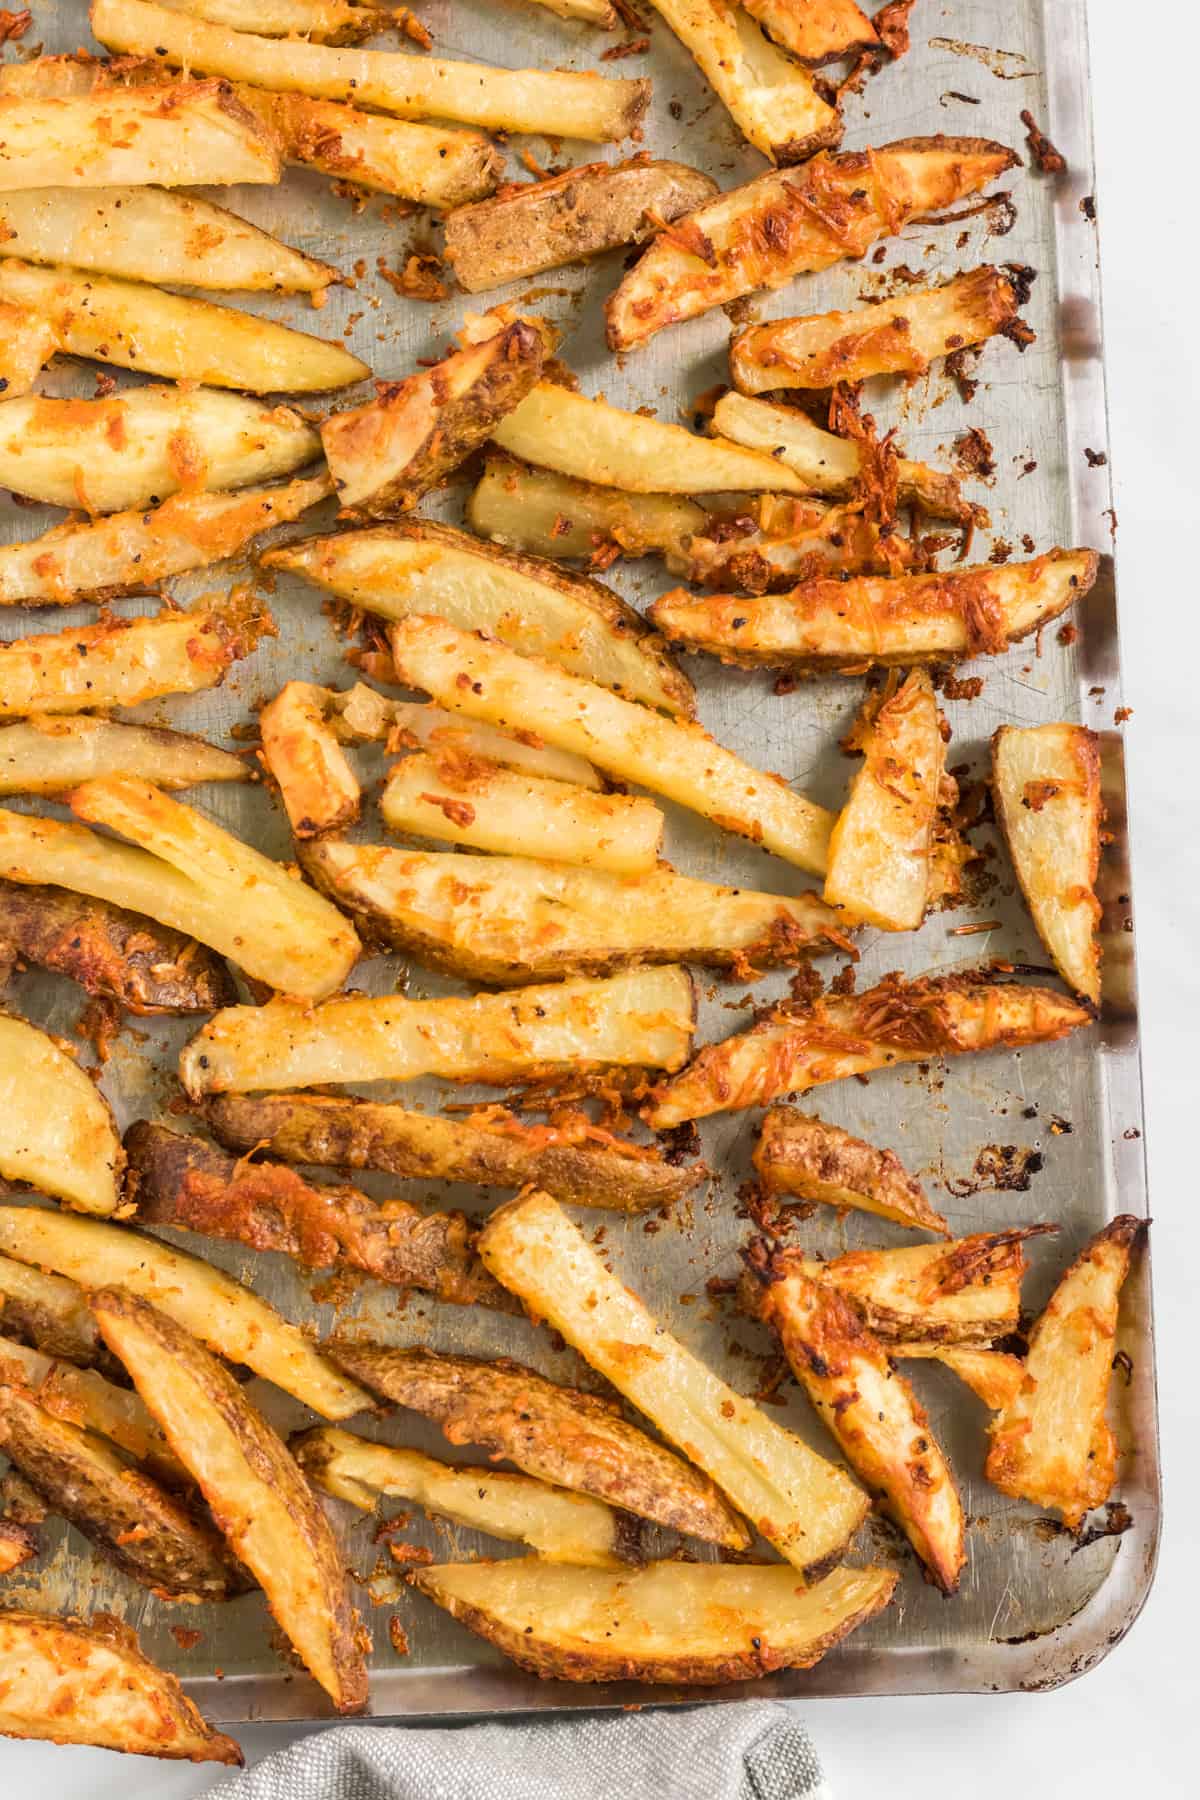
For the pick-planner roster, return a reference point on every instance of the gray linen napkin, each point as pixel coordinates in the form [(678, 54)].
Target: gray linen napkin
[(754, 1750)]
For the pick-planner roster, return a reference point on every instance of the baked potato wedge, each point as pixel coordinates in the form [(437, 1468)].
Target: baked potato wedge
[(191, 1185), (552, 515), (71, 1682), (136, 447), (468, 673), (796, 1047), (19, 1544), (793, 222), (302, 753), (505, 920), (51, 1314), (798, 1153), (48, 755), (84, 1398), (527, 602), (1052, 1444), (231, 1319), (361, 715), (56, 1128), (262, 1503), (1046, 788), (994, 1376), (686, 1624), (642, 1018), (806, 1507), (539, 225), (431, 165), (591, 12), (27, 342), (562, 1435), (602, 109), (870, 621), (554, 1523), (320, 21), (576, 1162), (816, 31)]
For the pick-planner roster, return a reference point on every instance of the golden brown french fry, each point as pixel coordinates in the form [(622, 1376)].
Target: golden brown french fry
[(554, 104), (27, 342), (51, 755), (432, 165), (1046, 786), (300, 748), (486, 680), (796, 1047), (798, 1153), (785, 224), (361, 715), (84, 1398), (321, 21), (56, 1129), (816, 31)]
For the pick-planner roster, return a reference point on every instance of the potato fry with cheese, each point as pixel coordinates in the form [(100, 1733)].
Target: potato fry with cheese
[(816, 31), (56, 1128), (27, 342), (799, 1153), (51, 755)]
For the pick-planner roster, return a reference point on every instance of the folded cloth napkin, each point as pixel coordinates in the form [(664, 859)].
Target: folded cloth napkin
[(752, 1750)]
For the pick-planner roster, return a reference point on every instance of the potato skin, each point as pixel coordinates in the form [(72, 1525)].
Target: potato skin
[(798, 1153)]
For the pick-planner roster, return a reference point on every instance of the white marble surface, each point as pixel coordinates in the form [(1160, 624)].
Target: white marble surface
[(1130, 1722)]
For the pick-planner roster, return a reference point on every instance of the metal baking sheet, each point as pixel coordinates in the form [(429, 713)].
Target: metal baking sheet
[(1035, 1608)]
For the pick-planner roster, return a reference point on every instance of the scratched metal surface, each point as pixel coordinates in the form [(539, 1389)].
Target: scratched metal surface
[(1033, 1609)]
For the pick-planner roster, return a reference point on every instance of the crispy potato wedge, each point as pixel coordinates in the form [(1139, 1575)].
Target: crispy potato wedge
[(798, 1153), (321, 21), (18, 1544), (483, 807), (189, 1184), (556, 1524), (56, 1128), (770, 98), (562, 1435), (577, 1162), (827, 464), (136, 326), (84, 1398), (153, 234), (27, 342), (1046, 786), (566, 218), (993, 1375), (872, 1412), (51, 1314), (508, 919), (1053, 1445), (468, 673), (808, 1509), (785, 224), (361, 715), (130, 1519), (796, 1047), (262, 1503), (275, 927), (816, 31), (902, 336), (682, 1623), (870, 621), (74, 1683), (231, 1319), (180, 134), (145, 967), (530, 604), (557, 428), (881, 850), (431, 165), (591, 12), (554, 104), (643, 1018), (300, 749)]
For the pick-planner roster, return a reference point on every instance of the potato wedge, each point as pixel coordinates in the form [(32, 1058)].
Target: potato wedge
[(189, 1184), (153, 234), (85, 1399), (1046, 787), (486, 680), (231, 1319), (902, 336), (51, 1314), (880, 1426), (432, 165), (508, 919), (27, 342), (591, 12), (557, 428), (795, 1048), (577, 1162), (180, 134), (361, 715), (262, 1503), (386, 455), (598, 108), (816, 31), (136, 326), (321, 21), (1053, 1445), (562, 1435), (785, 224), (993, 1376), (56, 1129), (881, 850), (301, 751), (695, 1624), (566, 218), (136, 447), (556, 1524), (74, 1683), (770, 98), (460, 801), (275, 927), (130, 1519), (643, 1018), (808, 1509), (19, 1544), (530, 604), (798, 1153)]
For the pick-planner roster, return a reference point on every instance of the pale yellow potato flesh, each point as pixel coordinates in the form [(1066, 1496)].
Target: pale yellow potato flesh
[(84, 1398), (592, 12), (363, 715), (555, 515), (324, 21), (53, 755), (433, 165), (27, 342), (301, 752), (56, 1131)]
